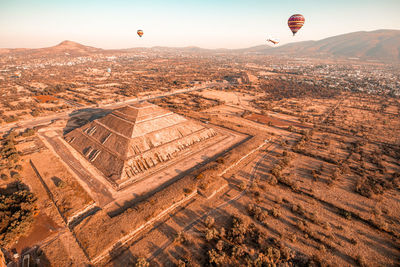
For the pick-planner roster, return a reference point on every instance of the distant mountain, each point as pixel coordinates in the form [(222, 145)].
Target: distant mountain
[(383, 45), (69, 46), (66, 48), (63, 48)]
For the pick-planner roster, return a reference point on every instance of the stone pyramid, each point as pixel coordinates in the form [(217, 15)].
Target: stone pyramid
[(131, 141)]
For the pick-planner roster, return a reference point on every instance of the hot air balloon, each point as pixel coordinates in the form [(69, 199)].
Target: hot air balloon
[(295, 23), (140, 33), (273, 40)]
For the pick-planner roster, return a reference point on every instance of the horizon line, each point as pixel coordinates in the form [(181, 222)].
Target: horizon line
[(191, 46)]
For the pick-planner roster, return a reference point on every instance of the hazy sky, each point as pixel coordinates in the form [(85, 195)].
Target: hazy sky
[(204, 23)]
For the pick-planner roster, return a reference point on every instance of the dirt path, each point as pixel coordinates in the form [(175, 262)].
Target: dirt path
[(201, 217), (332, 110), (125, 239)]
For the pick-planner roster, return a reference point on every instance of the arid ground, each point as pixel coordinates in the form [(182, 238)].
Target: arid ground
[(304, 170)]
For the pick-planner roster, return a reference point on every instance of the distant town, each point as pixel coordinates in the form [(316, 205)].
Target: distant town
[(35, 85)]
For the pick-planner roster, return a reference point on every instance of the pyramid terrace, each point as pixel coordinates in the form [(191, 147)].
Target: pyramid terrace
[(134, 141)]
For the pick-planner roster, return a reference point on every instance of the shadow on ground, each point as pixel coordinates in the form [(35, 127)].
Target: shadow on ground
[(80, 117)]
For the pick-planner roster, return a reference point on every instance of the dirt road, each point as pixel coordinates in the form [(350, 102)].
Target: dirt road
[(68, 114)]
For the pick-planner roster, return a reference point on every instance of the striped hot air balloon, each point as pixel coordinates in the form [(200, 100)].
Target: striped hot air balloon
[(140, 33), (295, 23)]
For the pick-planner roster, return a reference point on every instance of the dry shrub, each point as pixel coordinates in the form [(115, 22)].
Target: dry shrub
[(298, 208), (220, 245), (209, 222), (200, 176), (204, 186), (275, 212), (180, 238), (322, 248), (316, 260), (182, 263), (216, 257), (278, 199), (311, 216), (246, 245), (142, 262), (270, 179), (381, 223), (367, 186), (292, 237), (243, 185), (344, 213), (4, 177), (301, 225), (361, 261), (187, 191), (211, 234), (256, 212), (236, 233)]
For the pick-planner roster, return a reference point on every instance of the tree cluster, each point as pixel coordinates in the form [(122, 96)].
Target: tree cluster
[(17, 210)]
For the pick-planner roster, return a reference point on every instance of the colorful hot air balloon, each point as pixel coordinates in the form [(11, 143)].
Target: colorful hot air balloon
[(295, 23), (140, 33)]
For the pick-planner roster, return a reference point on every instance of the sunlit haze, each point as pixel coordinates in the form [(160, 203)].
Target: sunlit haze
[(205, 23)]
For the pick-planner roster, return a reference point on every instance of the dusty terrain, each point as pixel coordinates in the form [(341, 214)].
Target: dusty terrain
[(304, 171), (305, 193)]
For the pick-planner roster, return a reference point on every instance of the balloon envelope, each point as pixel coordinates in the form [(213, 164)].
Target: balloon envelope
[(140, 33), (295, 23), (273, 40)]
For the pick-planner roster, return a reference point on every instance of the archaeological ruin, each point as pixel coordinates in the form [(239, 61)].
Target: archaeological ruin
[(133, 141)]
